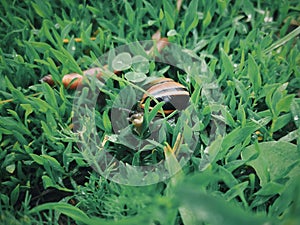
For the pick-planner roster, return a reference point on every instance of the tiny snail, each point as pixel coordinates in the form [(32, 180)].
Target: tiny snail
[(174, 95)]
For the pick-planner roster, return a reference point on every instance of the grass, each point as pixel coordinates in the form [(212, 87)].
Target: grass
[(244, 168)]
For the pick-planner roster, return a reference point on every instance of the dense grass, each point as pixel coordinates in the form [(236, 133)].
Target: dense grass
[(246, 174)]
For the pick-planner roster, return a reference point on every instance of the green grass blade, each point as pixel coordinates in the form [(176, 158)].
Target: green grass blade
[(283, 40)]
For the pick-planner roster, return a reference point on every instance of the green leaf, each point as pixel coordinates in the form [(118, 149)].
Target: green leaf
[(41, 105), (11, 168), (38, 159), (269, 100), (188, 218), (295, 109), (241, 115), (130, 13), (169, 20), (237, 190), (248, 7), (275, 160), (172, 33), (135, 77), (207, 19), (283, 40), (155, 110), (48, 29), (287, 204), (207, 208), (122, 61), (277, 95), (63, 208), (196, 96), (17, 94), (40, 47), (214, 149), (284, 104), (47, 130), (47, 182), (169, 12), (238, 135), (227, 177), (254, 74), (140, 64), (193, 24), (28, 110), (227, 64), (291, 136), (106, 122), (50, 96), (82, 218), (271, 188), (43, 9), (191, 18), (281, 121), (20, 137), (222, 5), (161, 14), (241, 89), (14, 195), (67, 60), (13, 125), (53, 163)]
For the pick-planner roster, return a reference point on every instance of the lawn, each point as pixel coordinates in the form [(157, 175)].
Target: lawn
[(71, 156)]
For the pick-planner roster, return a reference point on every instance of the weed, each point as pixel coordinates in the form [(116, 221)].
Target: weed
[(244, 167)]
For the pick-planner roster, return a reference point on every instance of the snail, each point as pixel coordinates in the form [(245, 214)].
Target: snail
[(174, 95)]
